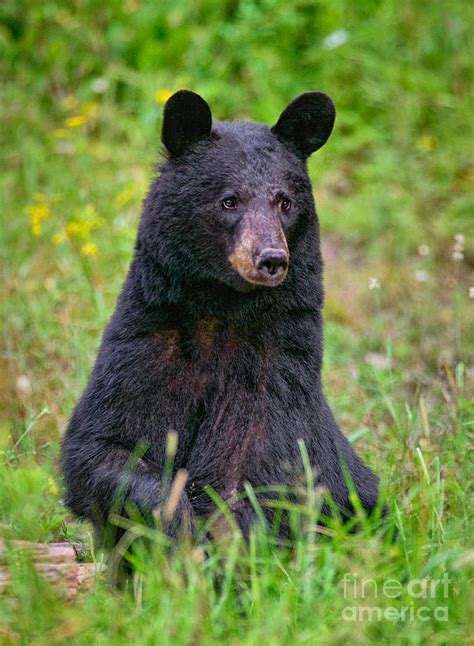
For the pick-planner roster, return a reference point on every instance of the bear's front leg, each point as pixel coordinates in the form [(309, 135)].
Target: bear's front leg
[(104, 481)]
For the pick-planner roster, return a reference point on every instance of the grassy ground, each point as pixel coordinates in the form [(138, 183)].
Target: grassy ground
[(84, 84)]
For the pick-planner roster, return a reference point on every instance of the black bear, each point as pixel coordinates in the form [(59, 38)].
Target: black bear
[(217, 334)]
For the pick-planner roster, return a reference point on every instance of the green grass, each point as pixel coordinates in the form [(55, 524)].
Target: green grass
[(392, 188)]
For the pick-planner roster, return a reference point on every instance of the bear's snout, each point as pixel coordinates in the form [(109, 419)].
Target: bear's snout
[(260, 253), (272, 265)]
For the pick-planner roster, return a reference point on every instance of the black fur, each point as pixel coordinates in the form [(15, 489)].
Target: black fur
[(232, 366), (187, 119), (307, 122)]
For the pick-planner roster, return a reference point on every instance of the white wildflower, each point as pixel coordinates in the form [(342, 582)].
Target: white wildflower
[(336, 39), (458, 249), (374, 283), (23, 384), (421, 276), (423, 250), (100, 85)]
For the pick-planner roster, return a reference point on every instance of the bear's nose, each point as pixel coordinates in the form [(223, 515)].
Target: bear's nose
[(272, 263)]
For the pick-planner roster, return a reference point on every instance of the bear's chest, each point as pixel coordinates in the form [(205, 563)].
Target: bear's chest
[(206, 361), (214, 381)]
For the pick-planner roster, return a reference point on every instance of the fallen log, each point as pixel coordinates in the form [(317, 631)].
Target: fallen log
[(54, 562), (39, 552)]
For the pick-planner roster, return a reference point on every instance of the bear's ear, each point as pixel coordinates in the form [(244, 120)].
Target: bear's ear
[(306, 122), (186, 119)]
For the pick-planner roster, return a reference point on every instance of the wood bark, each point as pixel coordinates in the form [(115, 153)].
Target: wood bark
[(55, 562)]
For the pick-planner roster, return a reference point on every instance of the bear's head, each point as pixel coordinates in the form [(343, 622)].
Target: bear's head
[(232, 199)]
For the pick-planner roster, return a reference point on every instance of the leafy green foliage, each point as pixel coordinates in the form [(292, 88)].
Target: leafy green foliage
[(82, 93)]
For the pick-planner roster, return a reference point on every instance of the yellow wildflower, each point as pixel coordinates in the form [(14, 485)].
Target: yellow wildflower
[(86, 222), (38, 212), (162, 96), (58, 237), (125, 196), (89, 109), (426, 143), (69, 102), (89, 249), (75, 122), (76, 229), (91, 214), (61, 133), (52, 486)]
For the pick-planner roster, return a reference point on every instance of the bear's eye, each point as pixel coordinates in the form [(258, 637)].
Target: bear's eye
[(230, 202), (285, 204)]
